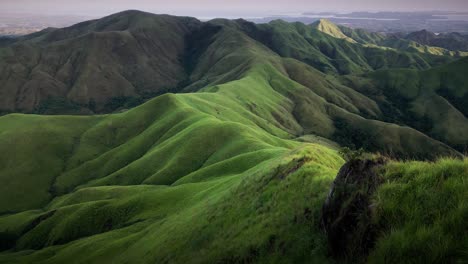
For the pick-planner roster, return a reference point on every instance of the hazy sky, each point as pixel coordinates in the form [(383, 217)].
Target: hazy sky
[(223, 8)]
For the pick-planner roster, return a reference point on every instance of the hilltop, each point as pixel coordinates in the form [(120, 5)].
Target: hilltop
[(327, 27)]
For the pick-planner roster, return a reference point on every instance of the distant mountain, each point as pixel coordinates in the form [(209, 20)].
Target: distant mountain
[(450, 41), (424, 37), (327, 27), (385, 22), (124, 59)]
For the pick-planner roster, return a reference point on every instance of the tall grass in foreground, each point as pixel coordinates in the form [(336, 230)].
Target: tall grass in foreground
[(422, 209)]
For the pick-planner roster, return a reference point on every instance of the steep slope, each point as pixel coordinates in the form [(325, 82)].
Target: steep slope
[(173, 168), (362, 36), (130, 54), (189, 165), (122, 60), (329, 54), (79, 156), (432, 101), (327, 27), (233, 218), (231, 55), (399, 42), (100, 150)]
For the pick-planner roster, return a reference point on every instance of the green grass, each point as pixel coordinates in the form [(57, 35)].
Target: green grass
[(121, 149), (184, 222), (422, 211), (281, 76), (237, 169), (431, 101)]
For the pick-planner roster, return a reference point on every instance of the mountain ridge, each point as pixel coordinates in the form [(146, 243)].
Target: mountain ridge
[(206, 55), (327, 27), (234, 163), (126, 49)]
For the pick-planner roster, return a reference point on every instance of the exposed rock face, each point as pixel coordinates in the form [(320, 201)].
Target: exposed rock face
[(346, 214)]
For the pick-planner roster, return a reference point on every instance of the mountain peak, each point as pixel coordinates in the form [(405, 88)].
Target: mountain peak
[(325, 21), (423, 36), (326, 26)]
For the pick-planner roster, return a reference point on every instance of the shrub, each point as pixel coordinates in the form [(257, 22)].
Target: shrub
[(350, 154)]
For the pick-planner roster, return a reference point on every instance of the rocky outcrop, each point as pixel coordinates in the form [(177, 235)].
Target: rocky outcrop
[(347, 211)]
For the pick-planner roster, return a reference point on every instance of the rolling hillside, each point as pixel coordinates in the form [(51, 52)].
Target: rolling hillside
[(126, 58), (299, 63), (219, 142)]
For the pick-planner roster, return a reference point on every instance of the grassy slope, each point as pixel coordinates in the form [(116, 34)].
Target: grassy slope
[(312, 102), (329, 54), (431, 100), (392, 42), (183, 223), (201, 177), (245, 187), (130, 54), (422, 210), (104, 149), (205, 55), (214, 148), (141, 55)]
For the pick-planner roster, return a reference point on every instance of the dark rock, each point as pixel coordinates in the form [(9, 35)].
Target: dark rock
[(346, 213)]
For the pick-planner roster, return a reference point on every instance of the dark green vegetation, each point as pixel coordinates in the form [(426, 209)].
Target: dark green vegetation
[(236, 166), (450, 41), (432, 101)]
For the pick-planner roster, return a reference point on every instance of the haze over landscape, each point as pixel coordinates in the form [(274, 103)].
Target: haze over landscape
[(233, 132), (27, 16), (213, 8)]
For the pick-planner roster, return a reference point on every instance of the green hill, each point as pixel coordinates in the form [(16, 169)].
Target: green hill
[(124, 59), (91, 65), (432, 101), (132, 182), (199, 189), (235, 164)]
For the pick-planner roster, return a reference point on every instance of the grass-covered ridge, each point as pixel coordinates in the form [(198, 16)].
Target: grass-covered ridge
[(142, 55), (432, 101), (294, 66), (207, 221), (236, 169)]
